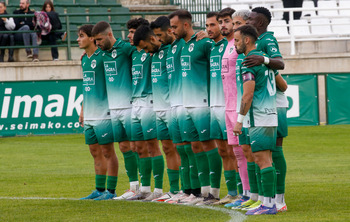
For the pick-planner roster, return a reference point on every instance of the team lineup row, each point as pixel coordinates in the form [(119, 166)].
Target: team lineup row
[(214, 99)]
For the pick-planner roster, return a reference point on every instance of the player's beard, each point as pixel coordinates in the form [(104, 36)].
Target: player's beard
[(154, 49), (107, 45), (182, 34), (226, 32), (215, 36), (168, 40), (241, 49)]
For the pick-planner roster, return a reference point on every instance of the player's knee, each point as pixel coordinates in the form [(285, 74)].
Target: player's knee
[(124, 146), (223, 152)]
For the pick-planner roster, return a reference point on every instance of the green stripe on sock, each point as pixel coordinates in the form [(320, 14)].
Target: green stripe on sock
[(130, 162), (158, 171), (215, 166), (173, 176), (100, 181)]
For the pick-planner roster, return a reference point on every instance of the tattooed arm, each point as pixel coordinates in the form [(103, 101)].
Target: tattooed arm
[(247, 98)]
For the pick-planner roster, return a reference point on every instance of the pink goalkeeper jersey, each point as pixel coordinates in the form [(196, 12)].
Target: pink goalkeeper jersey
[(228, 75)]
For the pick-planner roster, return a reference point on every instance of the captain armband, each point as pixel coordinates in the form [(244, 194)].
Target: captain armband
[(248, 76)]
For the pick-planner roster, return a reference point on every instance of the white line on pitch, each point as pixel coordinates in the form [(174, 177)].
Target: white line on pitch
[(37, 198)]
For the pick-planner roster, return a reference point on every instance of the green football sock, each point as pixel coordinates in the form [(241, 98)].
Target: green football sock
[(112, 183), (215, 166), (193, 168), (137, 161), (184, 168), (281, 169), (258, 180), (239, 183), (268, 179), (173, 176), (203, 168), (130, 162), (100, 181), (252, 177), (146, 171), (158, 171), (231, 183)]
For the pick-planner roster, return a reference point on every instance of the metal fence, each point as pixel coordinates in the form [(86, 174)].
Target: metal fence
[(200, 8)]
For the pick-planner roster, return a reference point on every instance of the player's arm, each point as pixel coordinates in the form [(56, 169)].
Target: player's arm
[(281, 83), (81, 116), (246, 102), (276, 63)]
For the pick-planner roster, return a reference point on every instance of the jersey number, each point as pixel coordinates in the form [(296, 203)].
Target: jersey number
[(271, 82)]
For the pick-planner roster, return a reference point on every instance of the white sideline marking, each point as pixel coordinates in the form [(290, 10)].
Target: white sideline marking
[(36, 198), (235, 216)]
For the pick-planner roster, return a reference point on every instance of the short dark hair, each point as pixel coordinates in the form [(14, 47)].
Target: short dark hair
[(212, 14), (183, 14), (264, 11), (136, 22), (144, 32), (100, 27), (161, 22), (87, 29), (226, 12), (248, 30)]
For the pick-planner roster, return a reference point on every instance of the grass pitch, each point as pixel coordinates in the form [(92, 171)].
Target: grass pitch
[(41, 176)]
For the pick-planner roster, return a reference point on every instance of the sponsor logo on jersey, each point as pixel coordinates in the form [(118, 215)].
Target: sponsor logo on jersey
[(190, 49), (156, 69), (114, 53), (170, 64), (186, 62), (93, 63), (89, 78), (161, 54), (215, 63)]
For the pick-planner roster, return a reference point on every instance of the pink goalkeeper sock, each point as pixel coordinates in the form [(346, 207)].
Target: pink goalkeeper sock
[(242, 166)]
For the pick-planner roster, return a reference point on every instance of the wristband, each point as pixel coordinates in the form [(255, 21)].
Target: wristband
[(240, 118), (266, 60)]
